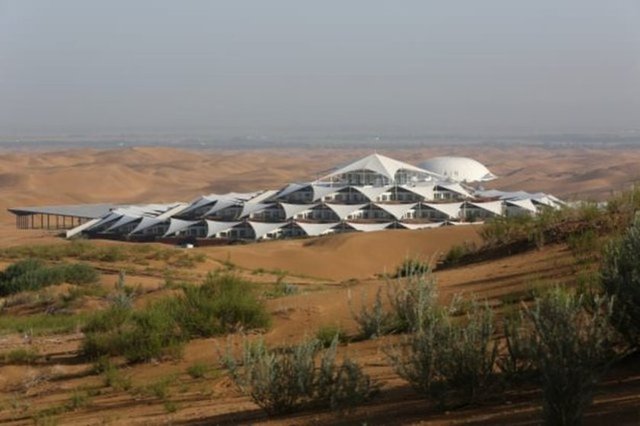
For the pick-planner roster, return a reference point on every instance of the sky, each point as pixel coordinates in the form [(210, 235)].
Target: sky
[(241, 66)]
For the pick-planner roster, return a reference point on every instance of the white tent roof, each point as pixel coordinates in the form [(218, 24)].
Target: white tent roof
[(525, 204), (369, 227), (215, 227), (425, 191), (385, 166), (344, 210), (454, 187), (201, 202), (147, 222), (177, 225), (315, 229), (490, 206), (320, 191), (291, 188), (222, 204), (371, 192), (396, 210), (263, 228), (106, 219), (450, 209), (124, 220), (290, 210), (422, 225), (251, 207)]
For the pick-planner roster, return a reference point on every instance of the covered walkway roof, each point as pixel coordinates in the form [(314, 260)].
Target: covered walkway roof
[(88, 211)]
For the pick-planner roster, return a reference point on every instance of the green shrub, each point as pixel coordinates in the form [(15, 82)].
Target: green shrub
[(456, 253), (373, 322), (516, 362), (411, 267), (327, 333), (198, 370), (222, 303), (20, 356), (621, 280), (571, 348), (412, 300), (291, 378), (584, 245), (450, 359), (32, 274)]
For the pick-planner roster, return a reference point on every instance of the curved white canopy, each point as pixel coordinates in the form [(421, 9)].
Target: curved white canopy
[(422, 225), (372, 192), (459, 169), (525, 204), (251, 207)]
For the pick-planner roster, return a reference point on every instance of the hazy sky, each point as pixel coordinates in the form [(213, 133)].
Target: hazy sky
[(296, 65)]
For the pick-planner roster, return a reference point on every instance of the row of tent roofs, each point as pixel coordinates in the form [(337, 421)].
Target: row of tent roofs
[(201, 217)]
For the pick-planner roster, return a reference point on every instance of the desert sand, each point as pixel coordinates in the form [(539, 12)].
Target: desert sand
[(329, 270)]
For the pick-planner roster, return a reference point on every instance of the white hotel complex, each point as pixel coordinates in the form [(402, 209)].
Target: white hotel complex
[(372, 194)]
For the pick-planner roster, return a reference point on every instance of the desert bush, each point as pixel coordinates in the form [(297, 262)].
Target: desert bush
[(412, 266), (447, 358), (327, 333), (20, 356), (32, 274), (372, 321), (221, 304), (290, 378), (571, 349), (198, 370), (412, 300), (620, 276), (584, 245), (41, 324), (457, 252), (516, 360)]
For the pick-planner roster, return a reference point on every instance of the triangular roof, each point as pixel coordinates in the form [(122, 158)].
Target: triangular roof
[(251, 207), (290, 210), (123, 220), (372, 192), (177, 225), (222, 204), (396, 210), (320, 191), (450, 209), (425, 191), (525, 204), (494, 207), (422, 225), (263, 228), (215, 227), (344, 210), (369, 227), (385, 166), (454, 187), (315, 229), (291, 188), (147, 222)]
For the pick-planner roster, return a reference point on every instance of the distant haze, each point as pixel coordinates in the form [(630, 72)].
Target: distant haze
[(241, 67)]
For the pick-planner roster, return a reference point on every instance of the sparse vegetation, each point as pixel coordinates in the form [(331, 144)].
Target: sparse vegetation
[(20, 356), (221, 304), (373, 322), (621, 280), (290, 378), (571, 348), (327, 333), (449, 359), (412, 266), (32, 274)]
